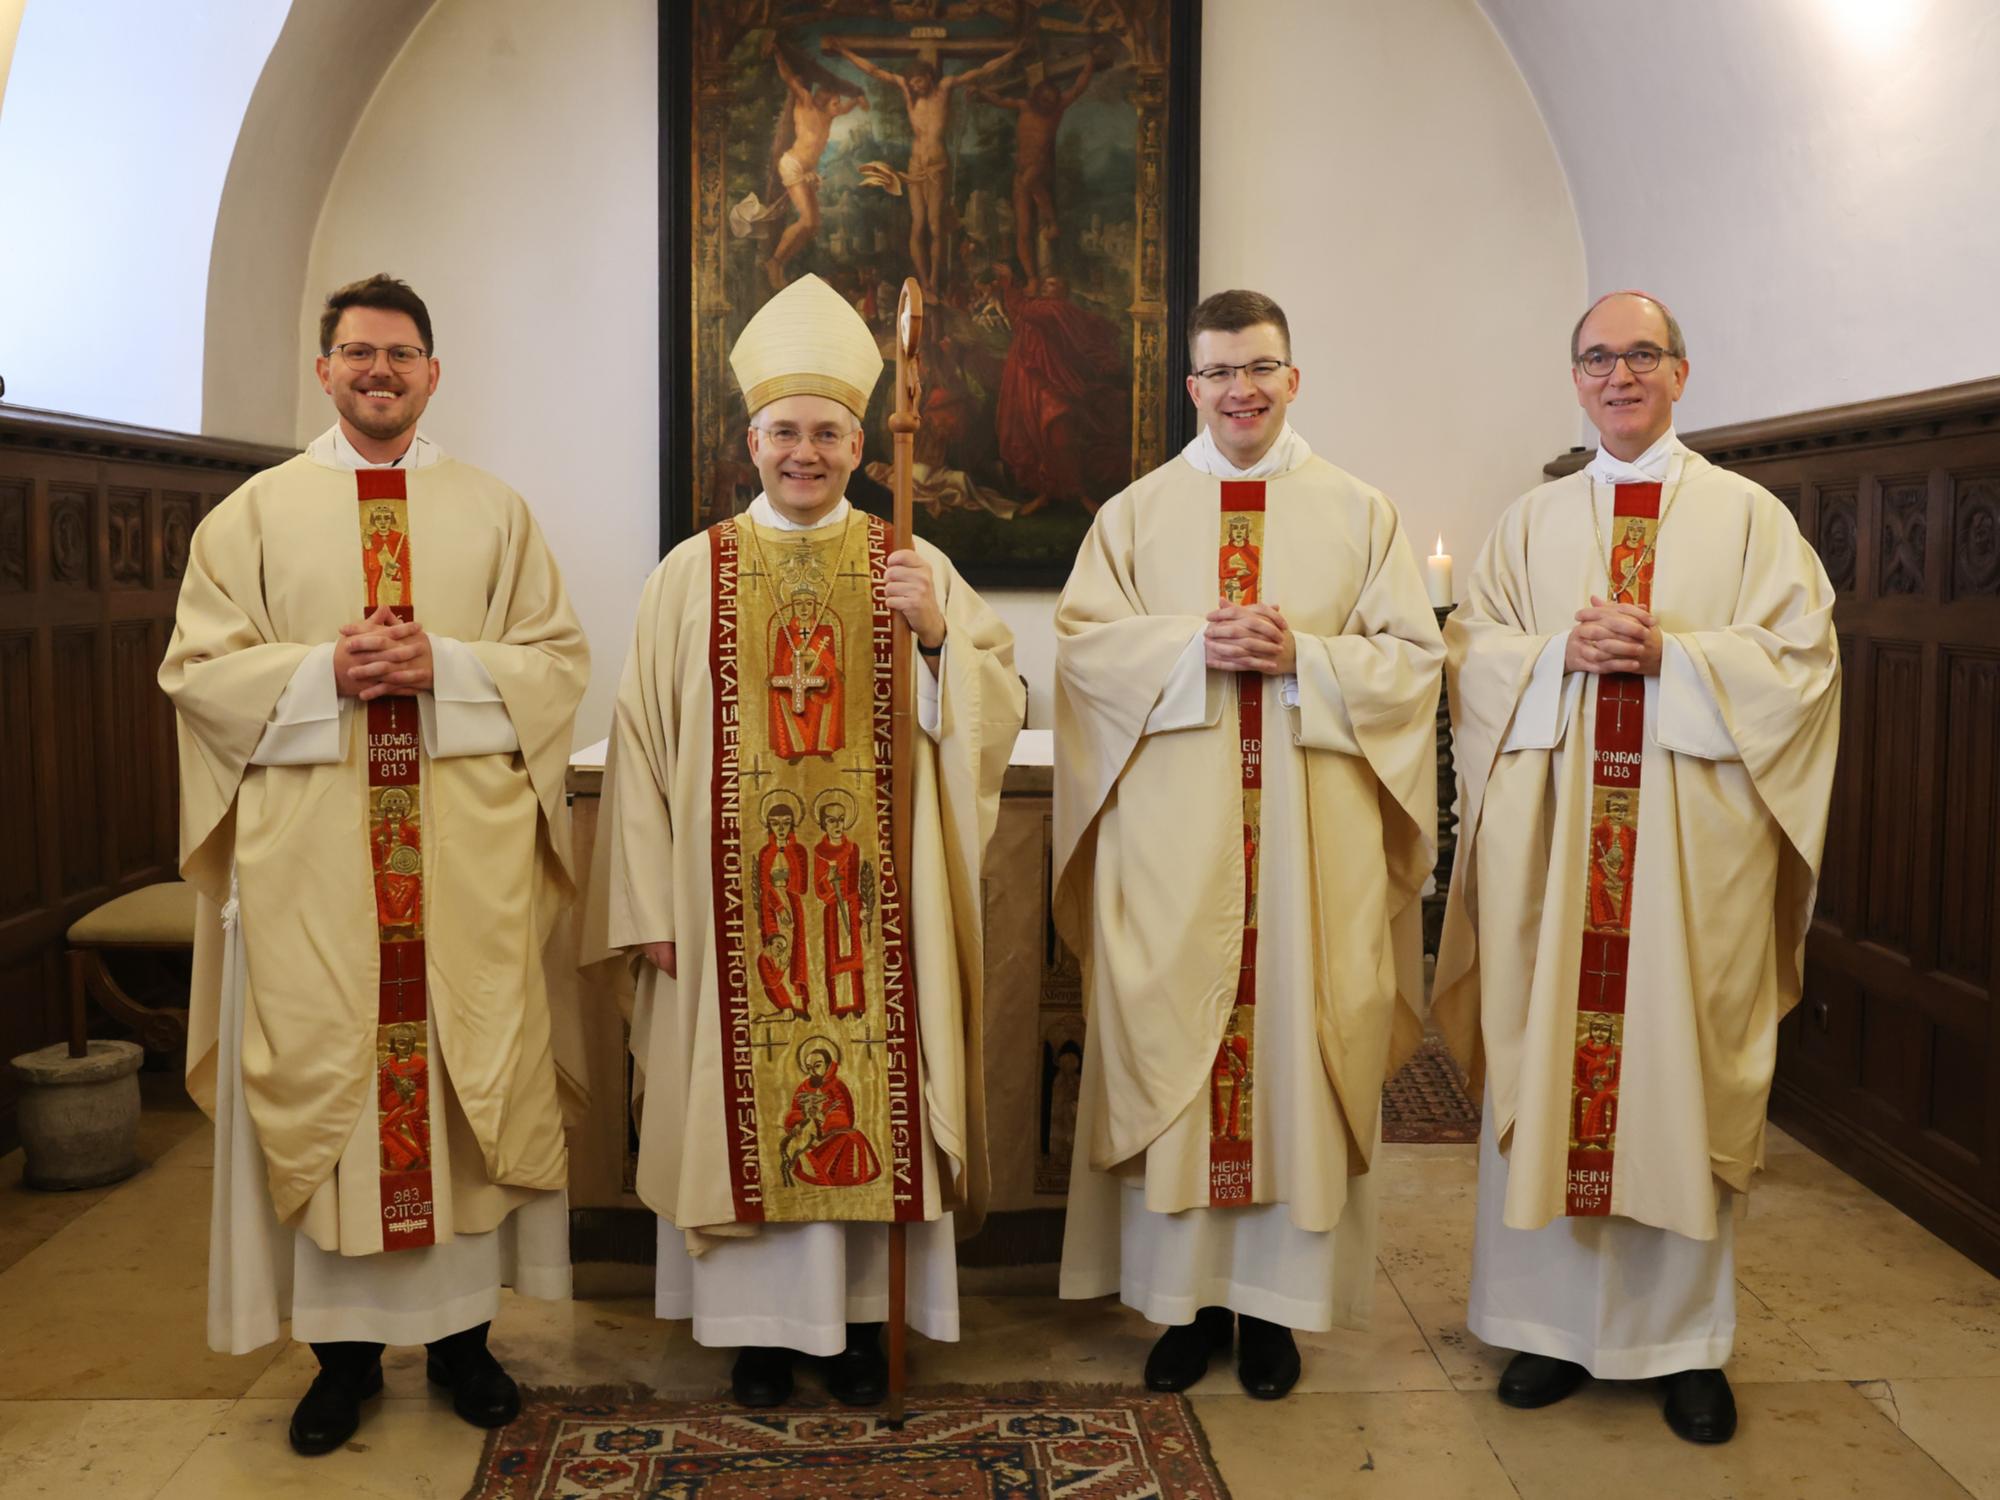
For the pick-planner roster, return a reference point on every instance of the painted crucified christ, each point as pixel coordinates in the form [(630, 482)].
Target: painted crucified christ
[(927, 97), (1037, 119), (812, 112)]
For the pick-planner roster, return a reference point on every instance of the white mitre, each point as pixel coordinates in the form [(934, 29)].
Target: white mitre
[(807, 341)]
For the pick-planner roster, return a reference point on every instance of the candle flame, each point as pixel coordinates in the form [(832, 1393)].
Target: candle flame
[(1440, 548)]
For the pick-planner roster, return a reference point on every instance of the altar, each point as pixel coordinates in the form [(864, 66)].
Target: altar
[(1033, 1033)]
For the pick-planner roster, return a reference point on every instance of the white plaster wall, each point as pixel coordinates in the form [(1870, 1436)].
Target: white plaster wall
[(1810, 184), (119, 120), (506, 169)]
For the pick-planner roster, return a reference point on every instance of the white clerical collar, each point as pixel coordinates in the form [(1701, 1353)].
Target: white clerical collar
[(1283, 456), (764, 513), (334, 450), (1650, 467)]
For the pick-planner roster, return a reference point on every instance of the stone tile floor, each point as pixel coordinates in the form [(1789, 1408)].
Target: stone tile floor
[(1867, 1363)]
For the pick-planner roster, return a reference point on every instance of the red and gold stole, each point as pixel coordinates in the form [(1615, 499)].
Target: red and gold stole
[(1239, 576), (815, 959), (1599, 1044), (395, 854)]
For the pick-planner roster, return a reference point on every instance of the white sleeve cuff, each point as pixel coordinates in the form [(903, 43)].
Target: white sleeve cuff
[(1690, 721), (1192, 698), (309, 724), (930, 676), (1288, 689), (463, 713), (1545, 708)]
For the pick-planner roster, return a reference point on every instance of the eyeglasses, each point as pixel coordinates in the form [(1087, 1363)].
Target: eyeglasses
[(784, 437), (362, 356), (1257, 369), (1597, 363)]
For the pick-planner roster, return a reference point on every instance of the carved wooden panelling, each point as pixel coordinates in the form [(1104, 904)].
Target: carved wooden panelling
[(72, 540), (135, 745), (1894, 1040), (73, 665), (1975, 534), (1971, 826), (128, 539), (1894, 722), (178, 515), (1905, 525), (20, 829), (1959, 1101), (1838, 535), (1788, 496), (1830, 900), (13, 536)]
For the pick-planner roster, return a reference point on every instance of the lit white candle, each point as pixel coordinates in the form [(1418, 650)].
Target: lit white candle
[(1439, 576)]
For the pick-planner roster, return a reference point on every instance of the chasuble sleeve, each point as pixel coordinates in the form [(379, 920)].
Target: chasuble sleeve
[(1113, 663), (1774, 676), (1493, 644), (533, 648), (225, 669)]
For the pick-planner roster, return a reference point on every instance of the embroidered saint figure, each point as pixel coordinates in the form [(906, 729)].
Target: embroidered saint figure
[(781, 919), (1240, 562), (821, 1145), (1595, 1096), (1632, 566), (807, 699), (403, 1103), (1225, 1087), (1613, 842), (385, 558), (396, 846), (841, 881)]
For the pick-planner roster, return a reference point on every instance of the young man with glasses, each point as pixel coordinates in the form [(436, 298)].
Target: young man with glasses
[(1645, 696), (778, 1139), (375, 668), (1247, 674)]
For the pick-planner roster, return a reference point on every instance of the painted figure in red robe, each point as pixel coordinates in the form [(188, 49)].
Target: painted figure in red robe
[(403, 1105), (1065, 416), (385, 559), (1225, 1087), (1595, 1099), (396, 846), (1240, 562), (807, 703), (821, 1144), (1632, 567), (1613, 842), (781, 912), (837, 881)]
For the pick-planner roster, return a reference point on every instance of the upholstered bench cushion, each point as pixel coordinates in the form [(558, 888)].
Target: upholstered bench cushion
[(154, 916)]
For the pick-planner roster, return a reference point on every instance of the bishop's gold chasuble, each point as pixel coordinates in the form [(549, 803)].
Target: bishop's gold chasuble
[(814, 959), (395, 855)]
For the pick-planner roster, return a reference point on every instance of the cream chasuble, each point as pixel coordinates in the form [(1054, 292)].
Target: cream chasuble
[(1249, 971), (816, 1058), (420, 1107), (1636, 870)]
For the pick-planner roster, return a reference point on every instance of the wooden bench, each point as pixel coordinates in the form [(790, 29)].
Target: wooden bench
[(154, 918)]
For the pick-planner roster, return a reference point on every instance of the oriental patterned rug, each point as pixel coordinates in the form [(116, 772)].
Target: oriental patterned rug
[(971, 1443), (1426, 1103)]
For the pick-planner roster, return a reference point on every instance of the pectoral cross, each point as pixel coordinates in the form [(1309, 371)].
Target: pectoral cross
[(1622, 689), (799, 681)]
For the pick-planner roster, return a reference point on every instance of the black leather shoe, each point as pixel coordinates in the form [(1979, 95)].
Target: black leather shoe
[(1267, 1358), (330, 1410), (1181, 1356), (481, 1392), (859, 1374), (1533, 1380), (1700, 1407), (762, 1377)]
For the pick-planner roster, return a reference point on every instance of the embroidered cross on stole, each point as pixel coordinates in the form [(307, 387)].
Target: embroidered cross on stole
[(395, 854), (1611, 859), (815, 961), (1231, 1089)]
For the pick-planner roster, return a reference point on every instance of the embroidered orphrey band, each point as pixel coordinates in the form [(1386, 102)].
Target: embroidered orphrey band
[(1231, 1091), (395, 855), (1599, 1044)]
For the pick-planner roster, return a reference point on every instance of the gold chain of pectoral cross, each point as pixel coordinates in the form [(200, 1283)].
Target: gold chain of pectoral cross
[(783, 608), (1638, 564)]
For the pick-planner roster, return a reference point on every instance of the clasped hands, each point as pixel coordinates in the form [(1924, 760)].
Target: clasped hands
[(1610, 637), (1250, 638), (379, 656)]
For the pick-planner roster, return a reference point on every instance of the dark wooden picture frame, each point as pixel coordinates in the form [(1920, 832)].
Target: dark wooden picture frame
[(1145, 57)]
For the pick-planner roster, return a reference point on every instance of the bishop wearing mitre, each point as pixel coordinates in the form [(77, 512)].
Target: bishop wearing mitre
[(807, 1017)]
